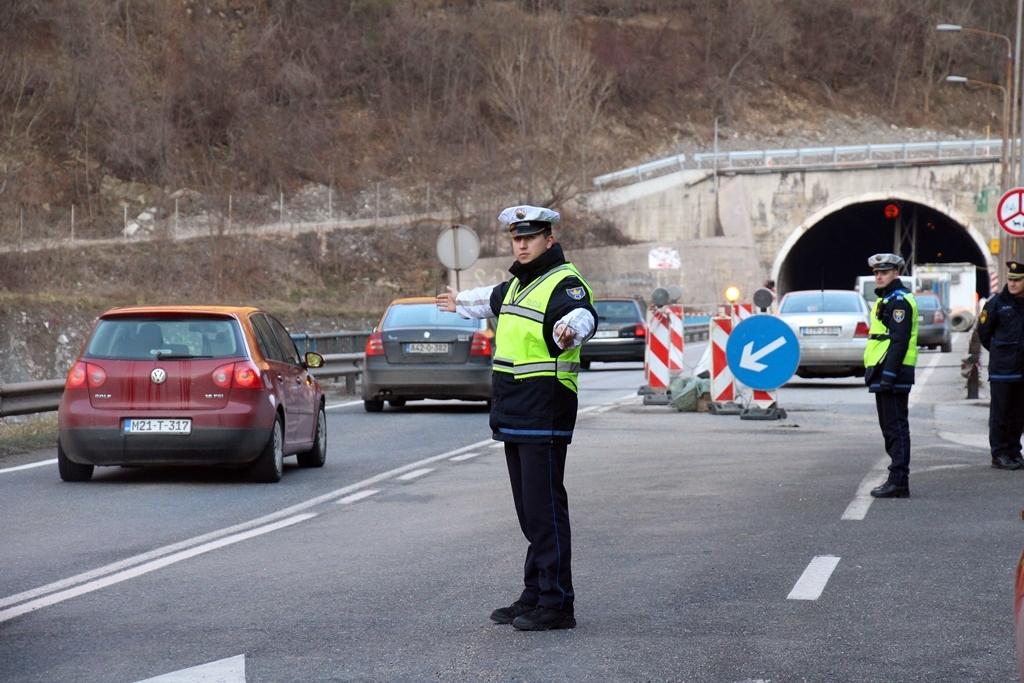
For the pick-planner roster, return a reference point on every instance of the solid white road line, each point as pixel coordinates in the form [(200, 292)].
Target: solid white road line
[(812, 582), (343, 405), (29, 466), (922, 378), (498, 444), (32, 605), (465, 456), (265, 519), (359, 495), (415, 474), (858, 507)]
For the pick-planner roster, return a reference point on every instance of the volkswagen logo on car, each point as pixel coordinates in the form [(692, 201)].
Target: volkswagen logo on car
[(159, 375)]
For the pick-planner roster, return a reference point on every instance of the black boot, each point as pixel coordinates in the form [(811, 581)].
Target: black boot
[(505, 615), (1005, 462), (545, 619), (891, 490)]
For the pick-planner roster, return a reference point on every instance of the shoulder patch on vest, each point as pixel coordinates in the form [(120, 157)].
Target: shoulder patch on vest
[(576, 293), (898, 315), (983, 317)]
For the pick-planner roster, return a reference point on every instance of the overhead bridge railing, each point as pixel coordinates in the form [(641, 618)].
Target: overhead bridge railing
[(810, 157), (23, 398)]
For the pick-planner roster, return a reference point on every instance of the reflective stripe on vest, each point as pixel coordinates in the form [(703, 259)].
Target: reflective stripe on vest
[(520, 348), (878, 334)]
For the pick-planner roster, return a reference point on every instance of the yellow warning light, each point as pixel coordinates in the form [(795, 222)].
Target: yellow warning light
[(732, 294), (993, 246)]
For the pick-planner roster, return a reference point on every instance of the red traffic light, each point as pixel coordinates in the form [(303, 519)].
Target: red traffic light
[(891, 211)]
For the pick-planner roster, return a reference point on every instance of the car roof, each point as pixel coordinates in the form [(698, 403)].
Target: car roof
[(413, 300), (235, 311), (823, 291)]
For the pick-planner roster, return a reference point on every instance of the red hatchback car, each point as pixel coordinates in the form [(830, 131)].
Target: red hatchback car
[(188, 385)]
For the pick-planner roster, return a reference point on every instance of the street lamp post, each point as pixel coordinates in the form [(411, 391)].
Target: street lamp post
[(1004, 160), (1009, 119)]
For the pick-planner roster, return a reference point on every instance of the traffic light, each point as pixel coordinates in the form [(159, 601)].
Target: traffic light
[(891, 211)]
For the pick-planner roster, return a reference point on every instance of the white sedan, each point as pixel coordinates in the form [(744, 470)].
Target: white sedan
[(832, 328)]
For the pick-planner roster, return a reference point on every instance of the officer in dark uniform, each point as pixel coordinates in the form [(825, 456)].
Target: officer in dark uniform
[(545, 313), (1001, 331), (889, 360)]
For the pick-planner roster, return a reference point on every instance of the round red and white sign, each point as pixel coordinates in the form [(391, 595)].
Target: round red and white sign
[(1010, 212)]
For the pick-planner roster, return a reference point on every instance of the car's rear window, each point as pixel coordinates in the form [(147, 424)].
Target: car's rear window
[(131, 338), (617, 311), (425, 315), (822, 302), (927, 302)]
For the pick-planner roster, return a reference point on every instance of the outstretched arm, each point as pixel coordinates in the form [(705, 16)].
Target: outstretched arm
[(469, 303)]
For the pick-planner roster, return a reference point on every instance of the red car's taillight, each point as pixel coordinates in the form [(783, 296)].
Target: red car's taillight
[(481, 345), (247, 376), (374, 345), (222, 375), (938, 317), (96, 375), (640, 330), (76, 376), (85, 373), (862, 330)]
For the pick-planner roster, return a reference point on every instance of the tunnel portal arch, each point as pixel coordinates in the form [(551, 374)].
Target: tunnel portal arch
[(830, 249)]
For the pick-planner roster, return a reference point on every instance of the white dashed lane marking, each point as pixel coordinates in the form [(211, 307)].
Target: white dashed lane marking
[(415, 474), (359, 495), (812, 582), (465, 456)]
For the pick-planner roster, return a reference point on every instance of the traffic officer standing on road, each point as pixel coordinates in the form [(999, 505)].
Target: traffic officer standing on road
[(545, 312), (1001, 331), (889, 360)]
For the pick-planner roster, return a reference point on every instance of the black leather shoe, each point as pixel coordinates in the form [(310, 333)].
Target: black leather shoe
[(1005, 462), (890, 490), (544, 619), (505, 615)]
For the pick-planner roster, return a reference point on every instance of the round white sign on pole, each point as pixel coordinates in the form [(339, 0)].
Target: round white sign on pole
[(458, 247), (1010, 212)]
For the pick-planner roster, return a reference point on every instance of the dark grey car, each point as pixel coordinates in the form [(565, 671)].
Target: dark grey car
[(621, 333), (933, 325), (417, 351)]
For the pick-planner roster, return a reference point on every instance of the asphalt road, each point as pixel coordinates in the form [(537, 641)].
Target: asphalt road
[(691, 533)]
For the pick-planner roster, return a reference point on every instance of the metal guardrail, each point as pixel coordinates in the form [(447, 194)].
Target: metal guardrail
[(809, 157), (23, 398)]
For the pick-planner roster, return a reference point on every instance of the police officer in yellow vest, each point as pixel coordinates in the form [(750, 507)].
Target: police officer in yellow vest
[(545, 313), (889, 360)]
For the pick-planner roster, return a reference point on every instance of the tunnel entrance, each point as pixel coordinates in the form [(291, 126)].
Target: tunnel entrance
[(833, 252)]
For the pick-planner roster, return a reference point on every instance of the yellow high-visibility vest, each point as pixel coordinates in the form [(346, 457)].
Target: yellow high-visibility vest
[(520, 347)]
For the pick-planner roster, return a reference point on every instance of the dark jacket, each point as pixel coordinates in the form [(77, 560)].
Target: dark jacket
[(1001, 331), (892, 371), (540, 404)]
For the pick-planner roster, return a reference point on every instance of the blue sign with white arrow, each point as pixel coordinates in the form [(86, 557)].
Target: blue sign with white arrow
[(762, 352)]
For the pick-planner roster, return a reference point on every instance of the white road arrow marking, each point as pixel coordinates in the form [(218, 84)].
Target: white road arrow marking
[(230, 670), (749, 359)]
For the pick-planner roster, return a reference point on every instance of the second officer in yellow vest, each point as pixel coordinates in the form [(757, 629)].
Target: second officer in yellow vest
[(889, 360), (545, 313)]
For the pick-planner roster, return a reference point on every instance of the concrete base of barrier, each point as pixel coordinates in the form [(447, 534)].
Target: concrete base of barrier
[(725, 408), (655, 397), (772, 412)]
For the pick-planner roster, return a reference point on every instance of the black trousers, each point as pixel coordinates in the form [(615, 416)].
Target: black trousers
[(892, 418), (1005, 418), (535, 472)]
